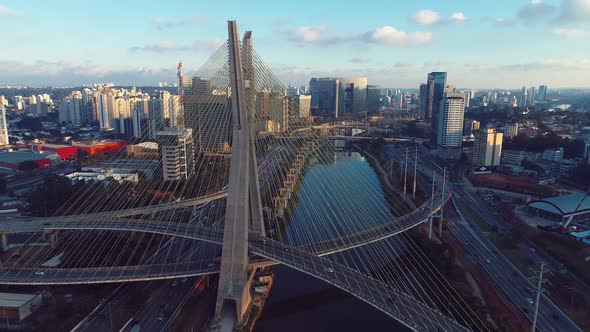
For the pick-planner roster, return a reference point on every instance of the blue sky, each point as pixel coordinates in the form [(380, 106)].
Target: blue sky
[(481, 44)]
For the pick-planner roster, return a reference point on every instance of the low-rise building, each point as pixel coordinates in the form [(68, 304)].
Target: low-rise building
[(93, 147), (65, 152), (17, 160), (513, 157), (561, 208), (145, 150), (16, 307)]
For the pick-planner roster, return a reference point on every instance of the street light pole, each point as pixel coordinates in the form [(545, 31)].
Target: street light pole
[(406, 172), (415, 172), (431, 207), (538, 296), (442, 204)]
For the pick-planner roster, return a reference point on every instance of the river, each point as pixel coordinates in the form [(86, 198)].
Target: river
[(299, 302)]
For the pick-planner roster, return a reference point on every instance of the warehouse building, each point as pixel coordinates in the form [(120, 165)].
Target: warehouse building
[(16, 307), (560, 208)]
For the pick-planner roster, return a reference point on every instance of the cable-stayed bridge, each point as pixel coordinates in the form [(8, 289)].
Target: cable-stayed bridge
[(254, 146)]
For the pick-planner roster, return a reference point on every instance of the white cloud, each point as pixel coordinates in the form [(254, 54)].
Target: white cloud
[(535, 11), (360, 59), (9, 12), (318, 35), (164, 23), (426, 17), (458, 17), (388, 35), (167, 47), (575, 10), (59, 73), (571, 33), (311, 34)]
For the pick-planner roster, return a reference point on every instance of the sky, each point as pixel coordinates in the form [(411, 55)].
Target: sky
[(395, 43)]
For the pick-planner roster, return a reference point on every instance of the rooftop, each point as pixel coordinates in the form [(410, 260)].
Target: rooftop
[(148, 145), (563, 205), (15, 157), (13, 300)]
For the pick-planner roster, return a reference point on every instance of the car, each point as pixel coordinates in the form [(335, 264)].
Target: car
[(39, 273), (174, 283), (329, 270), (160, 318), (488, 261), (183, 280), (285, 249), (533, 249), (211, 265), (529, 300), (263, 240)]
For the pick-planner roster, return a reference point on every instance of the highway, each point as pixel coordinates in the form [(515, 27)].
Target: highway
[(515, 285)]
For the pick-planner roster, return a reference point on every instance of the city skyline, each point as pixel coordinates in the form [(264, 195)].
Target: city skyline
[(505, 44)]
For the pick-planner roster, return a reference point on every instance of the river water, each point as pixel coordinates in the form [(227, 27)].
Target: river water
[(299, 302)]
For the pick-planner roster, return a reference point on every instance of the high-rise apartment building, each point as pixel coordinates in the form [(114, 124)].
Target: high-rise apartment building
[(300, 106), (208, 114), (3, 127), (487, 150), (511, 130), (468, 96), (102, 110), (373, 98), (542, 95), (470, 127), (436, 83), (71, 108), (353, 96), (450, 120), (177, 153), (530, 96)]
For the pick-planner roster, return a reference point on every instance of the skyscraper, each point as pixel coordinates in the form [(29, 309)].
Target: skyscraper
[(102, 109), (423, 99), (314, 92), (3, 127), (327, 96), (177, 153), (450, 120), (487, 151), (468, 96), (300, 106), (542, 95), (353, 96), (208, 114), (436, 83), (373, 98), (530, 96)]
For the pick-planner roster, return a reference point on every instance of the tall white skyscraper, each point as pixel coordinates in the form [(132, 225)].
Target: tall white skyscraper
[(487, 151), (3, 127), (450, 121)]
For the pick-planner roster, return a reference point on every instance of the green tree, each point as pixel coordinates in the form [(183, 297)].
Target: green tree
[(28, 165), (50, 196), (30, 123)]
